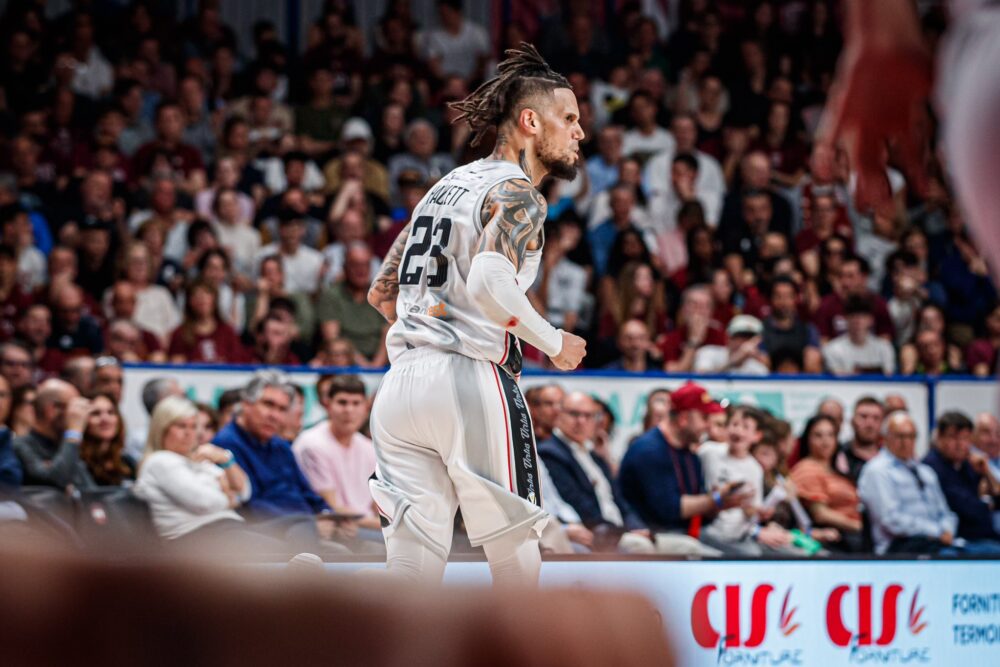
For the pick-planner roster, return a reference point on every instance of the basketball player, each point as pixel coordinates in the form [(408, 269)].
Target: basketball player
[(450, 426), (878, 97)]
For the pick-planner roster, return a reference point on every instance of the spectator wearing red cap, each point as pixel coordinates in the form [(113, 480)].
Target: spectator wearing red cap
[(661, 476)]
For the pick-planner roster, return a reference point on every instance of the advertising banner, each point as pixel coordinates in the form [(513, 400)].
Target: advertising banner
[(968, 396), (802, 613), (792, 399)]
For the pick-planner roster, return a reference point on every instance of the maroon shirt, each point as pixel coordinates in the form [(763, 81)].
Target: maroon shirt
[(11, 309), (672, 344), (831, 322), (183, 158), (222, 346)]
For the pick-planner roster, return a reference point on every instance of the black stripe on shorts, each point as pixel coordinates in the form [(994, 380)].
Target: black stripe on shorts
[(524, 458)]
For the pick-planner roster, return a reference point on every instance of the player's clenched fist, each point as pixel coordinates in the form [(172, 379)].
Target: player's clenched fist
[(574, 349)]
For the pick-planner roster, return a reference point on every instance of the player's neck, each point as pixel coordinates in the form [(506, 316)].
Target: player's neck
[(522, 154)]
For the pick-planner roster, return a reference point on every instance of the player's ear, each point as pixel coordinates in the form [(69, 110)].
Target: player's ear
[(528, 120)]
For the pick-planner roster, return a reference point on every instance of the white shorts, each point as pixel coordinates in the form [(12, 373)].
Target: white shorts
[(451, 431)]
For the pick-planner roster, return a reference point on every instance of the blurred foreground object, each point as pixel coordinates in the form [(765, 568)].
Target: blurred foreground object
[(155, 612)]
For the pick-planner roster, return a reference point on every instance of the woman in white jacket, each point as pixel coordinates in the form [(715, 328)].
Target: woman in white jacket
[(193, 489)]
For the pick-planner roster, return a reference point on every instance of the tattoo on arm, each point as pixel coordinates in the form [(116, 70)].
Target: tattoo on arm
[(515, 212), (385, 288)]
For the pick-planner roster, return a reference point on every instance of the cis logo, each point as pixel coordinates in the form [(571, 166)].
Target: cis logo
[(841, 635), (708, 636)]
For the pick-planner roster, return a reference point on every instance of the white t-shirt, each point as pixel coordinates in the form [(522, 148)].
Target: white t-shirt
[(302, 270), (184, 495), (709, 188), (243, 244), (842, 357), (637, 143), (458, 53), (721, 468), (715, 359), (567, 291)]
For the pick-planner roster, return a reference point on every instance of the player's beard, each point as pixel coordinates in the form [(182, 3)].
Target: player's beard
[(556, 166)]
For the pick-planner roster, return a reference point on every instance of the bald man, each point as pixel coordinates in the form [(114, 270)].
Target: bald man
[(50, 453)]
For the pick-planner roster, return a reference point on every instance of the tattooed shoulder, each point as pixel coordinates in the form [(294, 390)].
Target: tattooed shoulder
[(514, 212)]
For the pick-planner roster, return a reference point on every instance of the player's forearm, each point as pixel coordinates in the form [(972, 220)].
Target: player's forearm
[(493, 286), (385, 288)]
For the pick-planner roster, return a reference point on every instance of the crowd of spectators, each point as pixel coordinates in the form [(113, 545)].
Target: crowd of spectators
[(698, 479), (169, 193)]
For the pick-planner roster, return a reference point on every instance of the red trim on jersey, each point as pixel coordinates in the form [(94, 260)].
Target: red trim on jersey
[(506, 348), (506, 425)]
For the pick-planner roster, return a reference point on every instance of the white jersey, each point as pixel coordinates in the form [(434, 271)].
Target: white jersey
[(434, 307)]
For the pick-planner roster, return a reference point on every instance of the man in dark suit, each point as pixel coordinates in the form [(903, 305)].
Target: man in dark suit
[(584, 479)]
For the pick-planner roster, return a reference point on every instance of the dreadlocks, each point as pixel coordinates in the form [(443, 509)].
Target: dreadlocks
[(521, 76)]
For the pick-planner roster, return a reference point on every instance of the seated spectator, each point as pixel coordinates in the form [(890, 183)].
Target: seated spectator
[(125, 341), (866, 422), (661, 475), (303, 266), (206, 424), (583, 479), (929, 318), (639, 294), (336, 352), (981, 354), (273, 342), (21, 419), (193, 490), (338, 460), (908, 510), (103, 445), (73, 332), (229, 401), (965, 478), (166, 213), (695, 328), (630, 176), (830, 497), (109, 378), (270, 290), (282, 502), (79, 372), (236, 233), (646, 138), (786, 333), (634, 345), (561, 283), (931, 354), (10, 467), (155, 309), (13, 297), (736, 530), (169, 148), (851, 279), (602, 237), (356, 137), (227, 179), (344, 311), (16, 233), (350, 229), (17, 365), (986, 441), (34, 329), (602, 168), (50, 453), (544, 405), (203, 337), (741, 354), (757, 219), (420, 157), (213, 268), (859, 351)]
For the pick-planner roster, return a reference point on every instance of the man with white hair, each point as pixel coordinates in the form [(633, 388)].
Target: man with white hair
[(421, 157), (282, 502), (908, 510)]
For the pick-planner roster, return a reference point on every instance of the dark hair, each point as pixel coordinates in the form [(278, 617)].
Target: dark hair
[(756, 415), (187, 325), (868, 400), (198, 227), (863, 266), (523, 75), (810, 426), (209, 254), (229, 398), (106, 467), (218, 196), (687, 159), (345, 384), (858, 304), (782, 280), (953, 420)]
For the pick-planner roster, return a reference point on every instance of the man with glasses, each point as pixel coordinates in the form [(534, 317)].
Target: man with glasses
[(16, 364), (584, 479), (908, 510)]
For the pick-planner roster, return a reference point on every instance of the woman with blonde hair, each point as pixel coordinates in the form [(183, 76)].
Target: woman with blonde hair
[(193, 489)]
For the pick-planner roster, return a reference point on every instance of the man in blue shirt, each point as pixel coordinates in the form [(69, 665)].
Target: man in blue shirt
[(661, 476), (282, 501), (964, 478)]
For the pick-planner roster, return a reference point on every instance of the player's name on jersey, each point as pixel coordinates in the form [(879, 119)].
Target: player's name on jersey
[(446, 195)]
